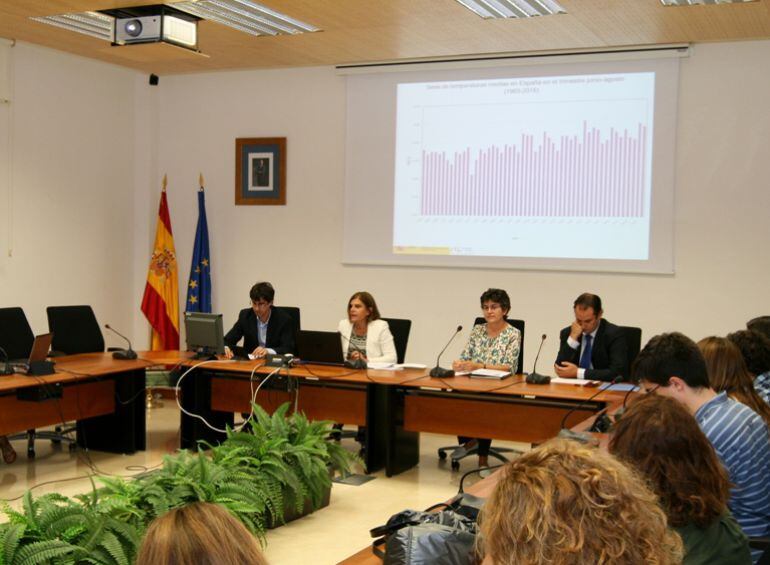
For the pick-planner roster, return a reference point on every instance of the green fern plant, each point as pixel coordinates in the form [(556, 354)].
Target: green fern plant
[(281, 462), (57, 530)]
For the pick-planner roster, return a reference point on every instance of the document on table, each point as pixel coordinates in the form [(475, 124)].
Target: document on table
[(383, 366), (412, 366), (489, 374), (576, 382)]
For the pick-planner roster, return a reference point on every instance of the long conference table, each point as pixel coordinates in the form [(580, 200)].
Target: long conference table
[(394, 406), (105, 397)]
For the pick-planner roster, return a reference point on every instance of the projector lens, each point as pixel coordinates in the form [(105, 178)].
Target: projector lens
[(133, 28)]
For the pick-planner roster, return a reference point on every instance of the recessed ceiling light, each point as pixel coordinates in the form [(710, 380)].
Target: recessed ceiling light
[(245, 16), (513, 8)]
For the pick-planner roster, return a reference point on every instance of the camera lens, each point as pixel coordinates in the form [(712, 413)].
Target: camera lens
[(133, 28)]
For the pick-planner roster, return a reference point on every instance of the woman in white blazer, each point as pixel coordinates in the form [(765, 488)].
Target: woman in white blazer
[(363, 334)]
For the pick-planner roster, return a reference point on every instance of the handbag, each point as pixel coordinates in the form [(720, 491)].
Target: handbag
[(412, 537)]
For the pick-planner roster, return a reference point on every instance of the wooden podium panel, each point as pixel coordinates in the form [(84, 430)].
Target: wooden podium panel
[(514, 419), (78, 402), (318, 401)]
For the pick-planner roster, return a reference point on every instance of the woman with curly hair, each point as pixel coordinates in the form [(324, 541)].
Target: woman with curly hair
[(662, 440), (565, 503), (727, 371)]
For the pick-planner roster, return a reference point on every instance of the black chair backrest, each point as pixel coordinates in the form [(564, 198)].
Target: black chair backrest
[(16, 336), (633, 344), (293, 312), (519, 325), (75, 329), (400, 329)]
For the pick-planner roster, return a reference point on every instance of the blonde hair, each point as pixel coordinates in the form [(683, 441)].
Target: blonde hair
[(202, 533), (565, 503)]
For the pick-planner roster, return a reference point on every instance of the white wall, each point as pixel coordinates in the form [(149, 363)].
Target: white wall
[(721, 210), (67, 223), (92, 141)]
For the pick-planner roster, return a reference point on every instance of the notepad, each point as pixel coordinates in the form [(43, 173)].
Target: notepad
[(412, 366), (489, 374)]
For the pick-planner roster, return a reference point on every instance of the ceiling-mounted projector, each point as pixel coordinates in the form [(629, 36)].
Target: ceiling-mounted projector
[(151, 24)]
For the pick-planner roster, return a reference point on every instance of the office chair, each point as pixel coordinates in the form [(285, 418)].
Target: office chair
[(16, 335), (16, 338), (75, 330), (634, 345), (400, 329), (459, 451), (293, 312)]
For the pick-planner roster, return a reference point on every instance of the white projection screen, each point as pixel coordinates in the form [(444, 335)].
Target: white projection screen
[(561, 164)]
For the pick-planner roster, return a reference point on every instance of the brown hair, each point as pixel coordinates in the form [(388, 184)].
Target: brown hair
[(368, 301), (202, 533), (727, 371), (566, 503), (662, 440)]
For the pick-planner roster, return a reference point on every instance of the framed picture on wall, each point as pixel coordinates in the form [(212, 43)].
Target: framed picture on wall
[(260, 171)]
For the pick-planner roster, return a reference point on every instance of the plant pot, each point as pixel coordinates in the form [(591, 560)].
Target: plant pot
[(290, 511)]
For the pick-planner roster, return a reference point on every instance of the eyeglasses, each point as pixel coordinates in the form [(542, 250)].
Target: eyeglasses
[(651, 390)]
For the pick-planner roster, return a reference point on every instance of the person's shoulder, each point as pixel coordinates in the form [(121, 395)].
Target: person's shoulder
[(344, 325), (245, 313), (512, 331), (280, 314), (378, 325), (609, 327), (731, 413)]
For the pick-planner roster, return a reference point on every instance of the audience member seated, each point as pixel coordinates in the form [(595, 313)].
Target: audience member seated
[(9, 453), (759, 324), (492, 345), (591, 348), (672, 365), (565, 503), (363, 334), (202, 533), (264, 329), (755, 348), (727, 372), (659, 438)]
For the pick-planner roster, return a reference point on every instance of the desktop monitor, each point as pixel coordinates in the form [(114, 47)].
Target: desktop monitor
[(205, 334)]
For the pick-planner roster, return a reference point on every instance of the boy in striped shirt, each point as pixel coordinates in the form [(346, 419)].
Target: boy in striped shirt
[(671, 365)]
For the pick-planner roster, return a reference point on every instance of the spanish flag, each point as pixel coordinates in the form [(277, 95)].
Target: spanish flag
[(161, 293)]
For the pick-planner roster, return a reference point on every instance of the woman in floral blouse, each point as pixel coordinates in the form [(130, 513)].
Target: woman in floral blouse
[(493, 345)]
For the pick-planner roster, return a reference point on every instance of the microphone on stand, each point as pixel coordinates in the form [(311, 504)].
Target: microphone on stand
[(124, 354), (438, 370), (535, 378), (359, 363)]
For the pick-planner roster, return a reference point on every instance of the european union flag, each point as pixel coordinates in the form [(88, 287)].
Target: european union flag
[(199, 287)]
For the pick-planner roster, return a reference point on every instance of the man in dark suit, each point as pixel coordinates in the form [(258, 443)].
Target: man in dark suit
[(591, 348), (264, 329)]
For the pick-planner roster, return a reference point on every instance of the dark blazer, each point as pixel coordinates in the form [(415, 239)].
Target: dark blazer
[(280, 331), (609, 355)]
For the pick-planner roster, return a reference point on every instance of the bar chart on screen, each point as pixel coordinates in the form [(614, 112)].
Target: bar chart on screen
[(517, 167)]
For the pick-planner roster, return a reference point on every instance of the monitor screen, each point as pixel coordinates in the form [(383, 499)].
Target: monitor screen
[(204, 332)]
